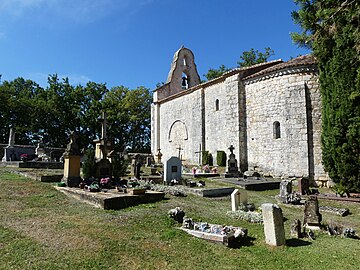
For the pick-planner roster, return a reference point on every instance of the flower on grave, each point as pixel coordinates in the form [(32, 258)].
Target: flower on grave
[(193, 170), (206, 169), (105, 181), (214, 170), (24, 157)]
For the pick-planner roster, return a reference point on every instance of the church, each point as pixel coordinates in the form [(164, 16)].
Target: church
[(269, 112)]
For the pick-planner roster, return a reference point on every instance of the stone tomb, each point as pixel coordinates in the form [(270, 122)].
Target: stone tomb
[(312, 216), (72, 163), (232, 168), (238, 197), (172, 169), (273, 224)]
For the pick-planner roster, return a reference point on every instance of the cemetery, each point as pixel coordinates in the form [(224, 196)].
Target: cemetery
[(227, 209)]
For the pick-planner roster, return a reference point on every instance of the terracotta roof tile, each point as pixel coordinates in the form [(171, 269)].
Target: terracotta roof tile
[(304, 60)]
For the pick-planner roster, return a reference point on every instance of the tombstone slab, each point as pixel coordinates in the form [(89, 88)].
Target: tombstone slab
[(172, 169), (273, 224), (238, 197), (312, 216)]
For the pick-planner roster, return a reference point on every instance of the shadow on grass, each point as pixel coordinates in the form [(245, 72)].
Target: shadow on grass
[(293, 242), (242, 242)]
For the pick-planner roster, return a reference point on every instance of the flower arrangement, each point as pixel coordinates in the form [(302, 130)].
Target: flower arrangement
[(206, 169), (105, 182), (24, 157)]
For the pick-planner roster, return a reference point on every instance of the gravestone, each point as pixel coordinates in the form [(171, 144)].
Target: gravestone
[(295, 230), (285, 188), (172, 169), (312, 216), (273, 224), (238, 197), (72, 163), (285, 191), (304, 186), (232, 168)]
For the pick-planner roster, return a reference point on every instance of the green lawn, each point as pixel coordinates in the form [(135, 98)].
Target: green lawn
[(41, 228)]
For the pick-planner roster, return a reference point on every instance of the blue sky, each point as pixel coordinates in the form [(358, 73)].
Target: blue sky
[(132, 42)]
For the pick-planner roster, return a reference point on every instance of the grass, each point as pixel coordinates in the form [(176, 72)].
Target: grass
[(41, 228)]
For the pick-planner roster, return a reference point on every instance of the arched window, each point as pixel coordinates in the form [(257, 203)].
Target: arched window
[(184, 81), (216, 105), (276, 130)]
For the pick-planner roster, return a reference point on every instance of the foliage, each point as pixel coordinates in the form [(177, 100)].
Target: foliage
[(221, 158), (119, 166), (332, 29), (52, 113), (207, 158), (88, 166), (253, 57), (129, 116), (214, 73), (248, 58)]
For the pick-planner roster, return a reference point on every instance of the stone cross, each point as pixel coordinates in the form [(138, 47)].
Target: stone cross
[(199, 153), (179, 148), (103, 121), (231, 148), (11, 137)]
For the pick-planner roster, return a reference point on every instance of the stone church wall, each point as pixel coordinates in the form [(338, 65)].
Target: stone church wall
[(181, 125), (284, 99), (222, 123)]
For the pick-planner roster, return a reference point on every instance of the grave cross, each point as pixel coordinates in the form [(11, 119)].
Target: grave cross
[(103, 139), (179, 148), (199, 152), (103, 121), (231, 148)]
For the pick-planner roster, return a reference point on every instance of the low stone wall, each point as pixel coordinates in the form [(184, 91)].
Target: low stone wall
[(41, 165)]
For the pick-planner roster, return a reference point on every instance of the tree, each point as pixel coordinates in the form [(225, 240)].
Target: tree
[(253, 57), (332, 30), (129, 117), (215, 73)]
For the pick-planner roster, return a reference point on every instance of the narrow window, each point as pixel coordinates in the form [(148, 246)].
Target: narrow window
[(276, 130), (184, 81), (184, 61), (216, 105)]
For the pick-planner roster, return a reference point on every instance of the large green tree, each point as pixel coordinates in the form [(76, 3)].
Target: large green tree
[(52, 113), (129, 117), (331, 28)]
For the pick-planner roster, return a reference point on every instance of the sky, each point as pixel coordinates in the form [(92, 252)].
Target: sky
[(132, 42)]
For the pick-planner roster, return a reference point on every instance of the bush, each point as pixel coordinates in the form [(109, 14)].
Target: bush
[(207, 158), (221, 158), (88, 166)]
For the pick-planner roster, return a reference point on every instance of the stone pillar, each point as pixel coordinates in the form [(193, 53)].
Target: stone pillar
[(71, 171), (273, 224), (72, 163)]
